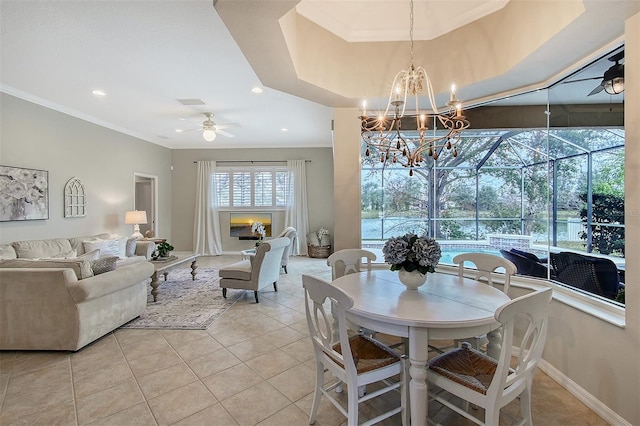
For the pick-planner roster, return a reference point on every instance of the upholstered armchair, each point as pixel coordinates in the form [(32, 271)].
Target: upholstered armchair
[(292, 234), (261, 270)]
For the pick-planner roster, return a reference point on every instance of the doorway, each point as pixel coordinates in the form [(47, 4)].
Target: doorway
[(146, 199)]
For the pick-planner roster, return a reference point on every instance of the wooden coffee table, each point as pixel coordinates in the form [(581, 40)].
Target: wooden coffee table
[(164, 266)]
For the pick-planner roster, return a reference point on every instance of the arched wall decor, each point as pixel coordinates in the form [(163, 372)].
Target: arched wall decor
[(75, 200)]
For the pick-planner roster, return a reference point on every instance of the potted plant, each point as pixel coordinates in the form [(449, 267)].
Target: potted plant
[(162, 250), (413, 257), (258, 228)]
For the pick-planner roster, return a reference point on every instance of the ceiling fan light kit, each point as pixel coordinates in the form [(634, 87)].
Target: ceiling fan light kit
[(209, 135)]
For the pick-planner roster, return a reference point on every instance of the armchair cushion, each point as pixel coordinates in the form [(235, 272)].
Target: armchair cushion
[(237, 271)]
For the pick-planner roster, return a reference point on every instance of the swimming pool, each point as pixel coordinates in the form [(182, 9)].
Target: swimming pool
[(448, 252)]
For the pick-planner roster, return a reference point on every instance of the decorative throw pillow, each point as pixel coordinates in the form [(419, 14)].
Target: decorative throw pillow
[(122, 246), (104, 264), (90, 255), (106, 247), (131, 247)]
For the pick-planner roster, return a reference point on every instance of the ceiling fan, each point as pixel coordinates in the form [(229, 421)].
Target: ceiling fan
[(613, 79), (210, 129)]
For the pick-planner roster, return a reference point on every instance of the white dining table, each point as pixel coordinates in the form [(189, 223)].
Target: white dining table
[(446, 307)]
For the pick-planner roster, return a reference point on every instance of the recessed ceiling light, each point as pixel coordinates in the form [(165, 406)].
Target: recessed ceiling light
[(179, 130), (284, 129), (257, 89), (99, 92)]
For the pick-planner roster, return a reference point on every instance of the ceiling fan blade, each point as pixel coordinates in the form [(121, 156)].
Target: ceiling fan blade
[(598, 89), (581, 79), (223, 133), (226, 126)]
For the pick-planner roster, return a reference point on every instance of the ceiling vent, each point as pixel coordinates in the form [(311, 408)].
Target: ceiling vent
[(189, 102)]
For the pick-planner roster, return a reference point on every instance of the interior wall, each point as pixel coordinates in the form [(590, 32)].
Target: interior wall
[(33, 136), (319, 190)]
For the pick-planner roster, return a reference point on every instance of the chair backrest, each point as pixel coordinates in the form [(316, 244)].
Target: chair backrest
[(265, 267), (525, 265), (292, 234), (486, 264), (593, 274), (320, 320), (533, 308), (348, 261)]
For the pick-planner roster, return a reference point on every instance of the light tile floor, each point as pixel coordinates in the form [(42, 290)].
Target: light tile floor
[(253, 366)]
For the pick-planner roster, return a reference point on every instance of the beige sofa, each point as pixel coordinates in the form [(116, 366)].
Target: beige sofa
[(52, 303)]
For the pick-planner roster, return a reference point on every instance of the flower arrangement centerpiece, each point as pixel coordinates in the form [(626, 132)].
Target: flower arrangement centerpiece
[(258, 228), (413, 257)]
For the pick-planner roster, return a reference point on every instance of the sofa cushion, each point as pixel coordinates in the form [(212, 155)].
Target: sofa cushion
[(36, 249), (237, 271), (7, 252), (81, 267), (104, 264)]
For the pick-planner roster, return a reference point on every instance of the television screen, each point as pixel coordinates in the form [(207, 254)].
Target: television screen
[(241, 223)]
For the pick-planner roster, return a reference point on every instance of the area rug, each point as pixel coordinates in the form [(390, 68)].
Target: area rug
[(184, 304)]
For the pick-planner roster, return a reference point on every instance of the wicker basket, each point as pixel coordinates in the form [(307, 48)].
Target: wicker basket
[(319, 251)]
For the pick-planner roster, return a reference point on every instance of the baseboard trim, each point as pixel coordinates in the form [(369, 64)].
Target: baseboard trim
[(582, 395)]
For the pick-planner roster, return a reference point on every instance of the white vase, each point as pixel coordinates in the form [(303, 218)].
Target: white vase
[(412, 280)]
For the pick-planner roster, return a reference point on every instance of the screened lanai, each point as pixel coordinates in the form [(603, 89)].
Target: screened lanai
[(542, 174)]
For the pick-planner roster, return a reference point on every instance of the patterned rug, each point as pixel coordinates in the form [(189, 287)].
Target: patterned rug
[(184, 304)]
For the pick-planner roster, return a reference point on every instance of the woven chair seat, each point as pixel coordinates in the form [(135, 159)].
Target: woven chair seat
[(368, 355), (466, 366)]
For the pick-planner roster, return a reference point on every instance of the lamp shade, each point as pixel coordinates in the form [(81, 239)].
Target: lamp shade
[(135, 217)]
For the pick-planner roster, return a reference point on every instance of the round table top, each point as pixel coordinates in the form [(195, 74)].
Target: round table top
[(444, 301)]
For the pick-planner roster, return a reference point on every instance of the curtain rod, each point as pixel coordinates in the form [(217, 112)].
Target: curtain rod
[(251, 161)]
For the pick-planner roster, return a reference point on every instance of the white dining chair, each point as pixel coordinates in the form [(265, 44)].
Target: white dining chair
[(485, 266), (348, 261), (488, 383), (355, 359)]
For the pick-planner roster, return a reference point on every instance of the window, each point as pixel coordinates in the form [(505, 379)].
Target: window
[(252, 187)]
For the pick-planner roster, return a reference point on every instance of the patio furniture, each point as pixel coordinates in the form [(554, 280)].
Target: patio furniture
[(354, 359), (488, 383), (596, 275), (526, 263)]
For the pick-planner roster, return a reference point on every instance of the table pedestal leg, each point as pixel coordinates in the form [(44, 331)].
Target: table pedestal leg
[(194, 266), (154, 285), (418, 356), (494, 347)]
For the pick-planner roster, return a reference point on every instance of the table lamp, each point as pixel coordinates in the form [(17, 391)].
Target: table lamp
[(135, 218)]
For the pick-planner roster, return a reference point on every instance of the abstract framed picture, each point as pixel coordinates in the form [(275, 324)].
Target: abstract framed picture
[(24, 194)]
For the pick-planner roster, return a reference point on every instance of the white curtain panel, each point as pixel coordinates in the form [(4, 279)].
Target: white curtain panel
[(206, 226), (297, 210)]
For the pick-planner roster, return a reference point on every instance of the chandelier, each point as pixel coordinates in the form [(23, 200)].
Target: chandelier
[(384, 135)]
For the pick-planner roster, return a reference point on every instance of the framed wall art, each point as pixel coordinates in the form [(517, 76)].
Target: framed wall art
[(75, 200), (240, 223), (24, 194)]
